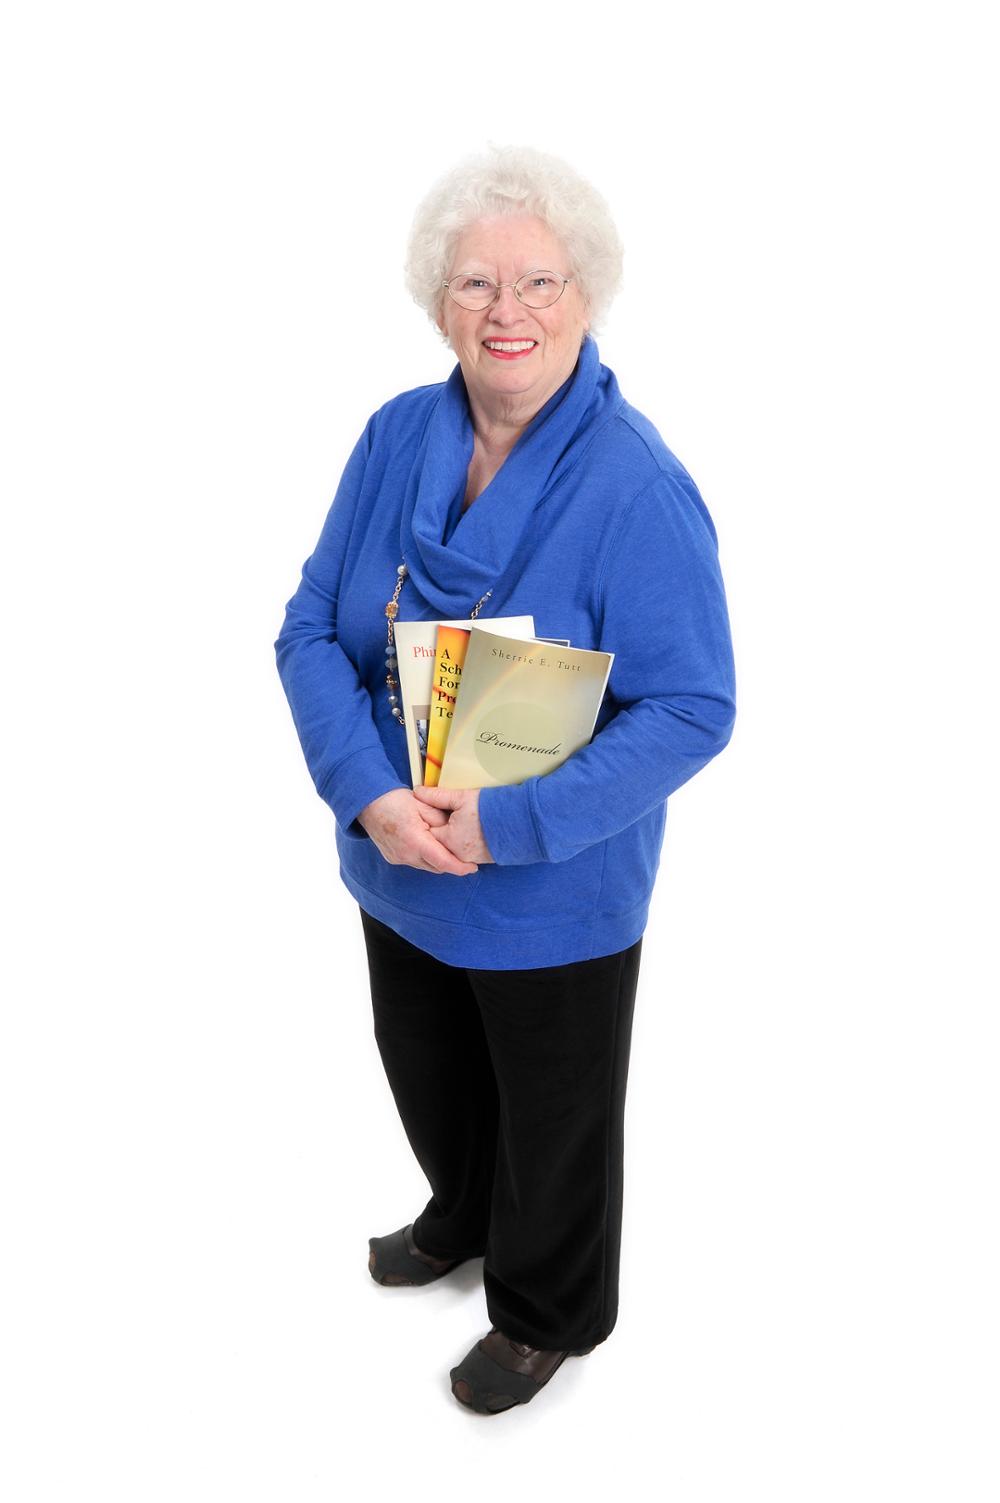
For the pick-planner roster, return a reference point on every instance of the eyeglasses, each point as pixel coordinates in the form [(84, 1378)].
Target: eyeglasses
[(536, 289)]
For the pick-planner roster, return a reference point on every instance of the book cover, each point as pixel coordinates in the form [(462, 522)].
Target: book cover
[(452, 642), (524, 707), (416, 643)]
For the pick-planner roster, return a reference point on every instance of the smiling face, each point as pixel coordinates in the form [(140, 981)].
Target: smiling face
[(513, 357)]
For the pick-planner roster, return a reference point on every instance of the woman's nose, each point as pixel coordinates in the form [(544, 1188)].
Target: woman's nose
[(506, 309)]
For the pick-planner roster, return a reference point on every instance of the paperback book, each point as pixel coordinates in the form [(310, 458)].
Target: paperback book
[(523, 707)]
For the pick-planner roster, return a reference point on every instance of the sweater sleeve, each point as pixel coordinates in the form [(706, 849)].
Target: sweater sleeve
[(331, 708), (663, 613)]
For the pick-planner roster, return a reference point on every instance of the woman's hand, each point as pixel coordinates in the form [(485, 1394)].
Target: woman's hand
[(404, 832), (463, 834)]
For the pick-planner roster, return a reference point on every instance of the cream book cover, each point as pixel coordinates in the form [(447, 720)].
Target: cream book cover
[(416, 650), (523, 708)]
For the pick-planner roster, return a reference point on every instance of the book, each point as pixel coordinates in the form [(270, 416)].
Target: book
[(416, 643), (524, 707), (452, 642), (452, 645)]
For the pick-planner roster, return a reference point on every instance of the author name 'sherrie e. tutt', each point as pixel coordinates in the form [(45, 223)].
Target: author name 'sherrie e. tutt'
[(534, 660)]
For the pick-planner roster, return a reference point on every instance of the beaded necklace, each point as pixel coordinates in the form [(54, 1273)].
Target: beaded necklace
[(391, 660)]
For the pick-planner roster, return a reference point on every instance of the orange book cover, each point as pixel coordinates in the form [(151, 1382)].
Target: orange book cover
[(452, 644)]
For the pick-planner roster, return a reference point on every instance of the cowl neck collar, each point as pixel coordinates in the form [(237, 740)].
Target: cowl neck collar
[(454, 562)]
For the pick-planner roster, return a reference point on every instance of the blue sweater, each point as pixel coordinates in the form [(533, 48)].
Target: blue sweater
[(593, 527)]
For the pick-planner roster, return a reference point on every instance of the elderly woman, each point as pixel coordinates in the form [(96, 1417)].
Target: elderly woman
[(504, 925)]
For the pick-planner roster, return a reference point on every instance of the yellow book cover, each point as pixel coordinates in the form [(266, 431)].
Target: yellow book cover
[(452, 642), (525, 707)]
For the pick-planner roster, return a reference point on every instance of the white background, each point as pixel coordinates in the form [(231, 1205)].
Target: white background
[(198, 1139)]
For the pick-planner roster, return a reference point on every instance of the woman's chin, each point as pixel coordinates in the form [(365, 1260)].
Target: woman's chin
[(500, 378)]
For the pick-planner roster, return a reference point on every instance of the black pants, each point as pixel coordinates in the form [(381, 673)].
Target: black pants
[(511, 1089)]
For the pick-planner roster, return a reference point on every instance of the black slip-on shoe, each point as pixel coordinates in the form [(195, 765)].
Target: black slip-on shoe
[(499, 1373), (396, 1259)]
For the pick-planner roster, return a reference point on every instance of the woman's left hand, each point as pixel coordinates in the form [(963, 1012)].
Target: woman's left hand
[(463, 834)]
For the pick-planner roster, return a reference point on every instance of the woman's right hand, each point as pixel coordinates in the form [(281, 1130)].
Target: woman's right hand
[(401, 828)]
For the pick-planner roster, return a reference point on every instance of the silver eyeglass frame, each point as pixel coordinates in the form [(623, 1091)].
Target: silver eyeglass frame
[(539, 307)]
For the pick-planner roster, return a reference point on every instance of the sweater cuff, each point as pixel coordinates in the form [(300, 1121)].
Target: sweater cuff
[(507, 818), (353, 784)]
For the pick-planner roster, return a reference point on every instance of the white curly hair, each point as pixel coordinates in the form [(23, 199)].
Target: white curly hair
[(515, 180)]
